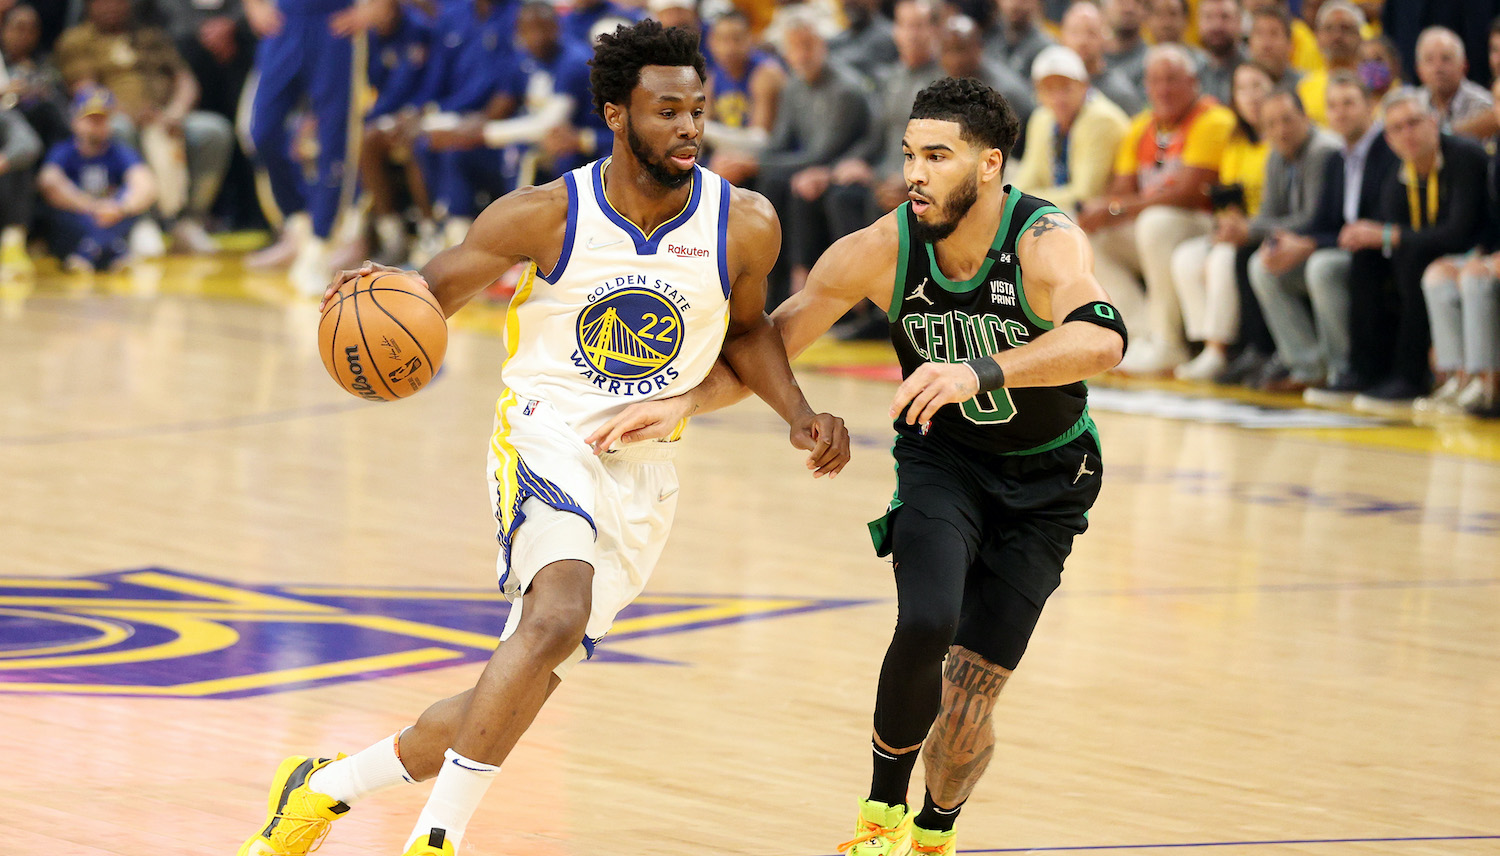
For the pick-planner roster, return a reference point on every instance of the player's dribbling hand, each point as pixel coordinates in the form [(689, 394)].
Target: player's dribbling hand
[(366, 269), (930, 387), (827, 440), (648, 420)]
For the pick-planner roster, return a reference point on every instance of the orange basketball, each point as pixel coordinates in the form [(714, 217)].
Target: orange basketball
[(383, 336)]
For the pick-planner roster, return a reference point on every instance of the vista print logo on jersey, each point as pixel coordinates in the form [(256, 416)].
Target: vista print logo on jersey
[(628, 337)]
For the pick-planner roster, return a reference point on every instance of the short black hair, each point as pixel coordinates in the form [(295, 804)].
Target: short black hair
[(983, 115), (619, 57)]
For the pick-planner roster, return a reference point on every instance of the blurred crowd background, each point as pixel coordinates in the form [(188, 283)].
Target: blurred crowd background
[(1296, 197)]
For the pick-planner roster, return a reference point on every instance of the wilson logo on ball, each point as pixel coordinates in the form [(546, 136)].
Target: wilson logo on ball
[(359, 386), (383, 336)]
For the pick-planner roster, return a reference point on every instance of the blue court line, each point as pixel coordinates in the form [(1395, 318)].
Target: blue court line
[(1275, 843)]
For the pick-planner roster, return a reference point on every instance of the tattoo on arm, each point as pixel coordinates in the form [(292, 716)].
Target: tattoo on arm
[(962, 741), (1048, 222)]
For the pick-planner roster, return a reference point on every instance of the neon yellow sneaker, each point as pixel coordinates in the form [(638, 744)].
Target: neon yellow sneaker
[(930, 843), (435, 844), (15, 262), (882, 830), (297, 817)]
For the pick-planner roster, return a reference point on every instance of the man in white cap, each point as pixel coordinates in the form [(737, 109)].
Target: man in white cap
[(1072, 137)]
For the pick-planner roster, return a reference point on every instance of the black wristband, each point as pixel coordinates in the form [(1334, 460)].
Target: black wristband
[(1104, 315), (991, 377)]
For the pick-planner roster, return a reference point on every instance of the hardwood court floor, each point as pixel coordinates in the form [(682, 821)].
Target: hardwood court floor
[(1272, 641)]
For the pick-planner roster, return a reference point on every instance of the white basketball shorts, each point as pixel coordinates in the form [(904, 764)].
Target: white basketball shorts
[(555, 500)]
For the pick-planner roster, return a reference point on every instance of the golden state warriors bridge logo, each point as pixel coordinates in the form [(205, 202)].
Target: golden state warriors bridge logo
[(166, 634), (628, 339)]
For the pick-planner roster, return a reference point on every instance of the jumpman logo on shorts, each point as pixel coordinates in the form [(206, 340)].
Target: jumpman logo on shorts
[(1083, 469)]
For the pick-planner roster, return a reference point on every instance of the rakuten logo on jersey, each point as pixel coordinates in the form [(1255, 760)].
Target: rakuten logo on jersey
[(687, 252)]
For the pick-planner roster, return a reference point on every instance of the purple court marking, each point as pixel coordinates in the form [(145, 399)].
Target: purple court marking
[(163, 633), (1275, 843)]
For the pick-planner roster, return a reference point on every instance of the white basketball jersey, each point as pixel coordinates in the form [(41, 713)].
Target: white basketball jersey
[(624, 316)]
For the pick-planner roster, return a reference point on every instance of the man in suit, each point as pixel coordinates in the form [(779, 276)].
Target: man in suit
[(1311, 261), (1436, 204)]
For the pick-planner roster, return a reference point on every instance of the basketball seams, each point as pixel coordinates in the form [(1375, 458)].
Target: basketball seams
[(430, 304), (369, 354), (431, 372)]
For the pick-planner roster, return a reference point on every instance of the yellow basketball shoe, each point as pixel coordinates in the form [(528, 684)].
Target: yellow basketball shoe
[(882, 830), (929, 843), (435, 844), (297, 817)]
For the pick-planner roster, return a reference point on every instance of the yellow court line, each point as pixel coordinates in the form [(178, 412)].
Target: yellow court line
[(194, 635), (249, 682), (43, 583), (228, 594), (695, 615)]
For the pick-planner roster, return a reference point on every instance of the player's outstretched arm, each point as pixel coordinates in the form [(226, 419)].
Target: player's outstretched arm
[(859, 265), (524, 224), (1058, 266)]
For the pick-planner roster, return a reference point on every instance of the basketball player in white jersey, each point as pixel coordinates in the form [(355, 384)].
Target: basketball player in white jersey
[(644, 268)]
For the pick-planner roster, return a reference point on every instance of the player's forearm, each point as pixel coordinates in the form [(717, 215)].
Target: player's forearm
[(1071, 352), (721, 388), (454, 281), (758, 357)]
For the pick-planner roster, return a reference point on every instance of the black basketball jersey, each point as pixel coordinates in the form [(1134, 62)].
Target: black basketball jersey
[(934, 319)]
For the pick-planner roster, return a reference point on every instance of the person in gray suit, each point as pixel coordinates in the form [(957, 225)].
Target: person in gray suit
[(824, 110), (1296, 174)]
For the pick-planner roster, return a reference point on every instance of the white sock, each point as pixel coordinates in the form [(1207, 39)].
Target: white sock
[(13, 236), (362, 774), (456, 794)]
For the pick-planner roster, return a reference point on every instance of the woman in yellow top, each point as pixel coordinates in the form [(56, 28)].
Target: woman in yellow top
[(1203, 269)]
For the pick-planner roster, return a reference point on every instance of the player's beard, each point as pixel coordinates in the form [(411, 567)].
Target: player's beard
[(655, 166), (955, 207)]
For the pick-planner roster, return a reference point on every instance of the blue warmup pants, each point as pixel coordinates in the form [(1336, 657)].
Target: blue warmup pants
[(304, 60), (456, 180), (78, 234)]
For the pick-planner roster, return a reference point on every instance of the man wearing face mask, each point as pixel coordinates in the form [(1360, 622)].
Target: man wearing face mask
[(1379, 66)]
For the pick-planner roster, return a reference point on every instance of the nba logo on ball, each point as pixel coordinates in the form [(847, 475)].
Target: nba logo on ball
[(630, 335), (383, 336)]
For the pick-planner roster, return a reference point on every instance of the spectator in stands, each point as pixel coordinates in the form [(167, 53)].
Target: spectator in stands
[(1436, 207), (825, 110), (1304, 48), (95, 188), (1204, 268), (589, 18), (1296, 178), (866, 44), (215, 40), (20, 148), (1311, 261), (306, 52), (1083, 32), (746, 86), (188, 149), (1072, 136), (1018, 35), (1220, 32), (1463, 311), (1167, 22), (677, 13), (1485, 125), (35, 86), (1270, 45), (1441, 67), (1380, 67), (1158, 198), (1127, 47), (1340, 23), (868, 181), (962, 55), (400, 48)]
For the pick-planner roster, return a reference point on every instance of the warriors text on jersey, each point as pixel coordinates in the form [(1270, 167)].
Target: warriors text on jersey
[(624, 316), (934, 319)]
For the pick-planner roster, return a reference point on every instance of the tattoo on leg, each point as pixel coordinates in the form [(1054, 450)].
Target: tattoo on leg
[(1048, 222), (963, 739)]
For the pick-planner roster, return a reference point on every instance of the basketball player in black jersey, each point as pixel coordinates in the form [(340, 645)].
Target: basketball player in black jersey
[(997, 319)]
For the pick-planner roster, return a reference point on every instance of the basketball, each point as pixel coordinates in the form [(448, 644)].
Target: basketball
[(383, 336)]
